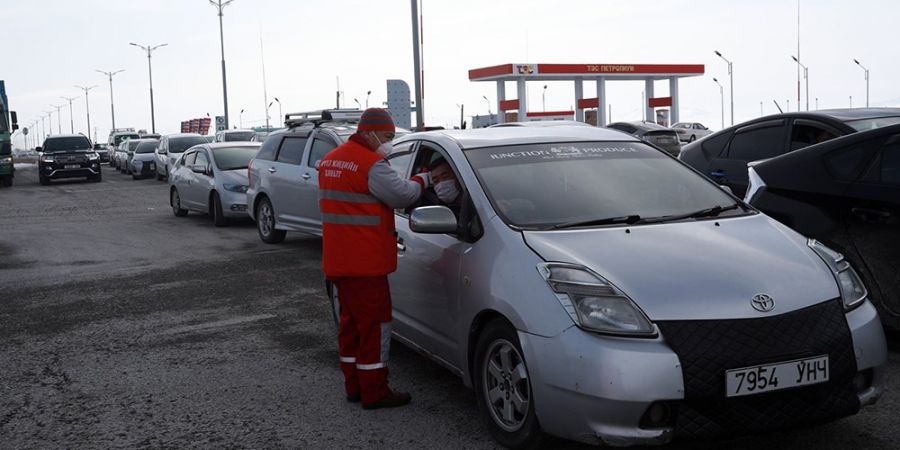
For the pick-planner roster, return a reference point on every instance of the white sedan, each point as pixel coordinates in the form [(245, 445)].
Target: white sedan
[(690, 131)]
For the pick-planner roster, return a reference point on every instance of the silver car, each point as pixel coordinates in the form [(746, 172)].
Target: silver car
[(170, 148), (691, 131), (212, 179), (595, 288), (658, 135)]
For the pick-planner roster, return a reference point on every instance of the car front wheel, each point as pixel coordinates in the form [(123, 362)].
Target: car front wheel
[(175, 201), (692, 138), (215, 210), (503, 388), (265, 223)]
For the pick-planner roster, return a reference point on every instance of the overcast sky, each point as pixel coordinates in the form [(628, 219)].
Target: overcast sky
[(55, 44)]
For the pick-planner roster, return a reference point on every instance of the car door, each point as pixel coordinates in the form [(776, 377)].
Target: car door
[(181, 176), (202, 183), (309, 216), (874, 225), (425, 287), (160, 155), (285, 177), (754, 142)]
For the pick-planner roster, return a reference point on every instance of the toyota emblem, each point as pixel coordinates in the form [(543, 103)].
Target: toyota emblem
[(762, 302)]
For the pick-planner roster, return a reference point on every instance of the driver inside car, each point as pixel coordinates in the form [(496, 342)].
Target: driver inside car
[(446, 188)]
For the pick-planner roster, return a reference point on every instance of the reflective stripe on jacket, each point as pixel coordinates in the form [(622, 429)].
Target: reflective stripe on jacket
[(357, 229)]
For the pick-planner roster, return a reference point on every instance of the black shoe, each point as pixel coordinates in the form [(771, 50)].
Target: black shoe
[(355, 398), (392, 400)]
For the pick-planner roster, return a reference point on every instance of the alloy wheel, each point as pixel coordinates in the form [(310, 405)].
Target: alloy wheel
[(506, 385), (265, 219)]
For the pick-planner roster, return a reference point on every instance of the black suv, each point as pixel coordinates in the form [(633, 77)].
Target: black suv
[(68, 156)]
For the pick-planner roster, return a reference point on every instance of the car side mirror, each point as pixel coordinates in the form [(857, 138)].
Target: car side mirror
[(15, 120), (726, 189), (198, 168), (162, 151), (38, 148), (432, 220)]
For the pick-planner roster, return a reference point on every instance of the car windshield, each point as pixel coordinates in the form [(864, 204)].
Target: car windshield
[(239, 136), (232, 158), (132, 144), (67, 143), (146, 146), (871, 124), (121, 137), (546, 186), (179, 145)]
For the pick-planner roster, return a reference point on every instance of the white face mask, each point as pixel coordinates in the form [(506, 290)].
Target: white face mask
[(447, 191), (385, 148)]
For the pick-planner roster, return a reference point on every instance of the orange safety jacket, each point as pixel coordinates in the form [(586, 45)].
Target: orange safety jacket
[(358, 235)]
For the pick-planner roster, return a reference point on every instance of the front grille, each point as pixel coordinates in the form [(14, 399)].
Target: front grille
[(708, 348)]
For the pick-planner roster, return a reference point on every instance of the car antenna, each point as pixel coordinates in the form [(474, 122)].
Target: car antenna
[(779, 108)]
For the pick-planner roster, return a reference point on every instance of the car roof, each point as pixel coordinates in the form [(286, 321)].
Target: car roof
[(503, 136), (643, 124), (542, 123), (216, 145), (846, 114), (239, 130), (61, 136), (178, 135)]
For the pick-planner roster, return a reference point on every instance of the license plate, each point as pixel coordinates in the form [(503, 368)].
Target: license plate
[(775, 377), (73, 166)]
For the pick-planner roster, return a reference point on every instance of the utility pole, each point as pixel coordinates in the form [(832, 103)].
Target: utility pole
[(806, 76), (87, 106), (722, 102), (112, 104), (262, 57), (417, 65), (71, 119), (220, 5), (279, 111), (149, 50)]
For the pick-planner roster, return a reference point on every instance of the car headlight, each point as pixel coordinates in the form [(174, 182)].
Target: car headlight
[(853, 291), (93, 156), (47, 159), (593, 303), (242, 188), (6, 160)]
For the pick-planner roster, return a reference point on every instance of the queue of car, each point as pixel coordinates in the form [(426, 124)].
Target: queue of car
[(606, 285)]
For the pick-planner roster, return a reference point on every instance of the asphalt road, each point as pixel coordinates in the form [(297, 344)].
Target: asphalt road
[(124, 326)]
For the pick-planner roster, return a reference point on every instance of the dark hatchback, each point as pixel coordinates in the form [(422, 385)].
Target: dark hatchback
[(68, 156), (723, 156), (845, 193)]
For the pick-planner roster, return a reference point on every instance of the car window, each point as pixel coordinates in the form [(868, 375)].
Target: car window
[(757, 143), (291, 150), (67, 143), (233, 158), (201, 160), (890, 164), (847, 162), (269, 148), (189, 159), (871, 124), (146, 147), (240, 136), (399, 158), (320, 147), (180, 144), (804, 134)]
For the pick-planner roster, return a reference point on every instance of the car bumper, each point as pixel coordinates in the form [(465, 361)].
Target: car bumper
[(143, 169), (234, 204), (600, 390), (87, 170)]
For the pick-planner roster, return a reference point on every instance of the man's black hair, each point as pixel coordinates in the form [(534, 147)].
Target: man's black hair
[(437, 162)]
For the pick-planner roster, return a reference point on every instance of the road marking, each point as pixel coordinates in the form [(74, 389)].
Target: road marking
[(220, 323)]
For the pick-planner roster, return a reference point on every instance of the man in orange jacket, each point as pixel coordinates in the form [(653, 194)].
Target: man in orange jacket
[(358, 192)]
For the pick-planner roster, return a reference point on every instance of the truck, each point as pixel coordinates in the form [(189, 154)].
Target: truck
[(7, 126)]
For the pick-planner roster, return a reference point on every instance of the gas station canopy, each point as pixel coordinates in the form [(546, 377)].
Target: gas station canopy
[(578, 73)]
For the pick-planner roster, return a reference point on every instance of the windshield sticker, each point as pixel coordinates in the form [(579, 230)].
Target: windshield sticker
[(558, 152)]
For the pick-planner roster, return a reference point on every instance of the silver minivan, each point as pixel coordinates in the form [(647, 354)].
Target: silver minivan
[(595, 288), (170, 148)]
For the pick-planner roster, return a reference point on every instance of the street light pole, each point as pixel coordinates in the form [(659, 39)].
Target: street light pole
[(87, 105), (241, 119), (112, 105), (730, 82), (368, 93), (58, 117), (722, 101), (279, 109), (220, 5), (149, 49), (71, 119), (805, 77), (417, 65), (489, 105), (544, 99), (867, 80)]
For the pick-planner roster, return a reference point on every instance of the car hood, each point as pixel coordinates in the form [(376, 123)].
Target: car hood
[(144, 157), (708, 269), (237, 176)]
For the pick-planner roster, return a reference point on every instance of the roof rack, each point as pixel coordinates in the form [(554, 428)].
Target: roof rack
[(319, 117)]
